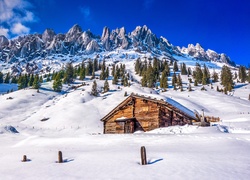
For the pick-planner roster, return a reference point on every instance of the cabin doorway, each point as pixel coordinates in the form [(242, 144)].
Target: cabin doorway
[(129, 127)]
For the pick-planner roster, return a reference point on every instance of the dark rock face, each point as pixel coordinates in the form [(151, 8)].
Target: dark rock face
[(77, 42)]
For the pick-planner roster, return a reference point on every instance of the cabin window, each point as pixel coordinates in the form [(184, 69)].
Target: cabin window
[(121, 123)]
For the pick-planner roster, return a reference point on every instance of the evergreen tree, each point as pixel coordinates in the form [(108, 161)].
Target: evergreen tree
[(89, 68), (36, 82), (137, 65), (205, 75), (82, 74), (167, 69), (215, 76), (7, 78), (41, 79), (174, 80), (242, 74), (57, 84), (226, 78), (115, 79), (113, 70), (248, 77), (144, 80), (1, 77), (164, 81), (195, 83), (94, 91), (150, 77), (183, 69), (31, 80), (106, 86), (69, 74), (179, 80), (189, 71), (96, 66), (14, 80), (103, 68), (198, 74), (175, 68)]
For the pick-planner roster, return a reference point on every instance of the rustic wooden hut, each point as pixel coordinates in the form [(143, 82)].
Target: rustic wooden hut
[(145, 113)]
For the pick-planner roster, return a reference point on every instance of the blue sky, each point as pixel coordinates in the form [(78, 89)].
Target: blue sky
[(220, 25)]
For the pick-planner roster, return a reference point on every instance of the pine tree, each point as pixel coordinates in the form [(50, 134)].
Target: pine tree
[(94, 91), (205, 75), (31, 80), (198, 74), (36, 82), (226, 78), (103, 68), (113, 70), (89, 68), (179, 81), (144, 80), (69, 74), (115, 79), (215, 76), (174, 80), (57, 84), (248, 77), (189, 71), (163, 80), (175, 68), (1, 77), (106, 86), (14, 80), (242, 74), (7, 78), (183, 69)]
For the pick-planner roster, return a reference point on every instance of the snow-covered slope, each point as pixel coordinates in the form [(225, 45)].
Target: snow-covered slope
[(47, 122)]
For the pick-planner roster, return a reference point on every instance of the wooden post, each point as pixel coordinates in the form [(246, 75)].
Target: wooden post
[(60, 158), (143, 156), (24, 158)]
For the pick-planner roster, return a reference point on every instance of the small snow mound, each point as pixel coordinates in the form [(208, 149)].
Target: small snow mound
[(174, 130), (227, 129), (10, 129)]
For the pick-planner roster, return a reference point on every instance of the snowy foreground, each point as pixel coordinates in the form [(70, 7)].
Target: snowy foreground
[(41, 124)]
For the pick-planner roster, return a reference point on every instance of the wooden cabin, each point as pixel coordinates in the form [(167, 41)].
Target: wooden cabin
[(145, 113)]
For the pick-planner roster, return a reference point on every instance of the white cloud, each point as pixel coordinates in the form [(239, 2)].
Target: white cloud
[(4, 31), (14, 14), (19, 29)]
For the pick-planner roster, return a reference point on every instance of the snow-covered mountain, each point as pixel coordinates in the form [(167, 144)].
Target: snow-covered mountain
[(26, 52)]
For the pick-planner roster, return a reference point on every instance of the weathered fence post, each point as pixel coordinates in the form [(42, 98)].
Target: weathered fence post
[(60, 158), (24, 158), (143, 156)]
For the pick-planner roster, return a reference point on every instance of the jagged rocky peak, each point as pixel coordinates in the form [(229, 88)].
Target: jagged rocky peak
[(48, 36), (3, 41), (141, 32), (92, 47), (73, 33), (105, 33)]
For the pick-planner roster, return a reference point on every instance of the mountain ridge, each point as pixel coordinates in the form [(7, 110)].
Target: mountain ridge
[(77, 42)]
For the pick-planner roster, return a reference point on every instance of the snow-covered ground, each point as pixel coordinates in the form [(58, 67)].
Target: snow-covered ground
[(40, 124)]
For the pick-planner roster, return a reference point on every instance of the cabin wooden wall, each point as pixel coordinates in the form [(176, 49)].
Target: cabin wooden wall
[(147, 114), (171, 118), (111, 127)]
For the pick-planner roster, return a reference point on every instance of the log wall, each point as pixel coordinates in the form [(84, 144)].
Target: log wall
[(147, 114), (111, 127)]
